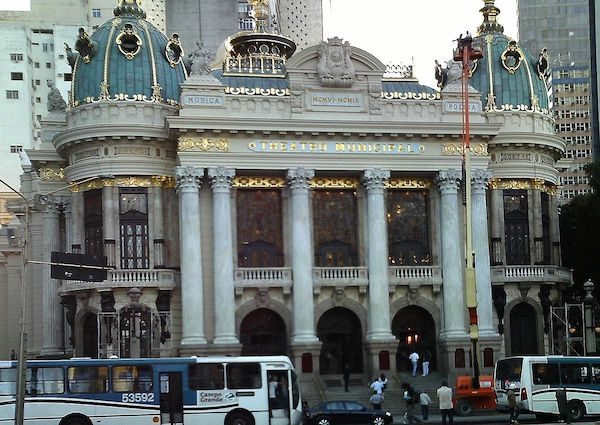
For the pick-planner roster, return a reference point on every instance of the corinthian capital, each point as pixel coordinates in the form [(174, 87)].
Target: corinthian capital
[(374, 178), (480, 179), (50, 204), (449, 180), (221, 178), (299, 178), (188, 177)]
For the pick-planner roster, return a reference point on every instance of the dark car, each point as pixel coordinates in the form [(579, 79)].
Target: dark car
[(346, 412)]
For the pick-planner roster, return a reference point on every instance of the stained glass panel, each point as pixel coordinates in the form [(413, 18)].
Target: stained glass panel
[(92, 212), (259, 228), (334, 223), (408, 227), (516, 227), (133, 218)]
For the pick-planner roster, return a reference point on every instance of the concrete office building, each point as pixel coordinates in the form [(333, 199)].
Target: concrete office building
[(299, 202), (564, 29)]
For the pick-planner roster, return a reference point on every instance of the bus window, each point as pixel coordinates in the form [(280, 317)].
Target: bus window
[(243, 375), (508, 371), (8, 381), (87, 379), (129, 378), (206, 376), (574, 374), (45, 380), (596, 374), (545, 374)]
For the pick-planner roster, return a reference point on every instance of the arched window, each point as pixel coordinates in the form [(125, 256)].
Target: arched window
[(133, 220), (516, 227), (92, 222)]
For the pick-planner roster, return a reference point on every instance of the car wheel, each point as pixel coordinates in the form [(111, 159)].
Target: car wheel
[(323, 420), (576, 410), (464, 408), (378, 420)]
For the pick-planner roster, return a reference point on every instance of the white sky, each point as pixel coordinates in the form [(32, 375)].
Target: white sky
[(12, 5), (396, 31)]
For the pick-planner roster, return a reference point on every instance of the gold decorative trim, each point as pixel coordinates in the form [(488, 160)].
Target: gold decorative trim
[(523, 184), (258, 182), (52, 174), (167, 182), (334, 183), (202, 144), (128, 36), (411, 95), (408, 183), (512, 57), (455, 149)]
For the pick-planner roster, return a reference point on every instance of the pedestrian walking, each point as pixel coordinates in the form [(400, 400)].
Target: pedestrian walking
[(424, 401), (512, 404), (563, 409), (444, 395), (426, 360), (376, 400), (346, 375), (377, 386), (414, 360), (383, 381), (411, 397), (13, 355)]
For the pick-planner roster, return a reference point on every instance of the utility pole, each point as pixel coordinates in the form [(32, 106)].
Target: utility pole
[(465, 53)]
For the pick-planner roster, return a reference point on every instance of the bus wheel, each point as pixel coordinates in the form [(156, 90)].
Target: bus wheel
[(464, 408), (576, 410), (75, 420), (239, 418)]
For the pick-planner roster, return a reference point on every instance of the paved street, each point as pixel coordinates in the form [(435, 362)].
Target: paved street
[(497, 419)]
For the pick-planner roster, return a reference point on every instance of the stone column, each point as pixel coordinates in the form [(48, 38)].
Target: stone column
[(379, 325), (497, 227), (480, 180), (68, 212), (189, 180), (110, 210), (554, 229), (157, 227), (452, 256), (77, 223), (537, 228), (51, 309), (220, 179), (303, 304)]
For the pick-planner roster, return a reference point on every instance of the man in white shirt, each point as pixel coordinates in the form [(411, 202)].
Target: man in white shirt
[(377, 386), (444, 394), (414, 359)]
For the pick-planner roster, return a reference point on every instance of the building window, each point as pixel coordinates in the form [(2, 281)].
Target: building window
[(16, 76), (12, 94), (38, 100), (246, 24), (16, 148), (36, 64), (45, 47), (259, 228), (516, 227), (92, 219), (48, 65), (68, 76), (335, 228), (408, 228), (96, 13), (133, 220), (17, 57), (37, 82)]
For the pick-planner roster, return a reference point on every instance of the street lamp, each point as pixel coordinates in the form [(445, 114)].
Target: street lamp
[(465, 53), (22, 355)]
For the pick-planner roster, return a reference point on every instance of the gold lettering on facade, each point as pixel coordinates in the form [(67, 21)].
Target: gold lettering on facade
[(167, 182), (524, 184), (451, 149), (409, 183), (201, 144)]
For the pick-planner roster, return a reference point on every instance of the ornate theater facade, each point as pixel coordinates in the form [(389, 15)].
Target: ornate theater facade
[(307, 203)]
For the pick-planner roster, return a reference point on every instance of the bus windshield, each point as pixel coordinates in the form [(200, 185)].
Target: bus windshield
[(508, 371)]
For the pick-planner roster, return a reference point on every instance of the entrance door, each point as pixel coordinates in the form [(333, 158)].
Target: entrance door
[(279, 397), (415, 329), (171, 398), (90, 336), (263, 332), (340, 332), (523, 330)]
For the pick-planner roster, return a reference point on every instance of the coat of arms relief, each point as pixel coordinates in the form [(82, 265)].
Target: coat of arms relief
[(335, 65)]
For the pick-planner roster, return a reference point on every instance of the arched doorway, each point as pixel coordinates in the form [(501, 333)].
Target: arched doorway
[(340, 333), (415, 329), (90, 336), (263, 332), (523, 330)]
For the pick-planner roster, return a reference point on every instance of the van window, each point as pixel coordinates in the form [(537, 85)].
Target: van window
[(207, 376), (574, 374), (8, 381), (243, 375), (508, 371)]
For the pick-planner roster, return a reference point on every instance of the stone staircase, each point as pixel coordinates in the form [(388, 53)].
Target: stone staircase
[(331, 387)]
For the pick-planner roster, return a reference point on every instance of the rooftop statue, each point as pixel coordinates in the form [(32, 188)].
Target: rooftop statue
[(56, 103), (85, 46), (199, 61)]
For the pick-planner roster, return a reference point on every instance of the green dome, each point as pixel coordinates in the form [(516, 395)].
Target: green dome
[(127, 59), (507, 75)]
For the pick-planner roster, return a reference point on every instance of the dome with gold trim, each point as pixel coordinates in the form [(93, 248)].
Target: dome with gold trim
[(508, 76), (126, 59)]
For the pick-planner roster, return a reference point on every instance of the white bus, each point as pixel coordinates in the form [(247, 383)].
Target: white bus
[(173, 391), (537, 380)]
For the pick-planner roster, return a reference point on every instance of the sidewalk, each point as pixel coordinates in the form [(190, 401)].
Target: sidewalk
[(482, 418)]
